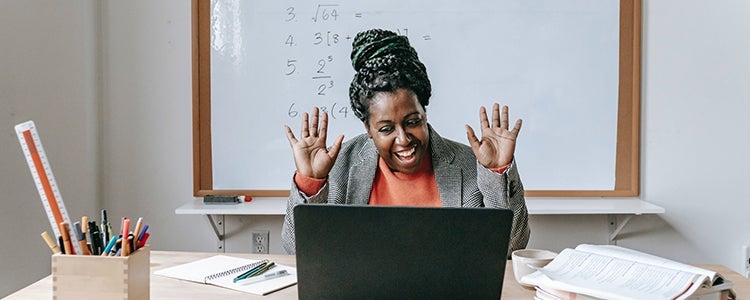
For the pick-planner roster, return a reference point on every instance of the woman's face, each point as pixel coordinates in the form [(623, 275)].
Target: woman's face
[(398, 126)]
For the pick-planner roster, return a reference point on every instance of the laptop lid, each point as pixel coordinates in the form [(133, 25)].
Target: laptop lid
[(377, 252)]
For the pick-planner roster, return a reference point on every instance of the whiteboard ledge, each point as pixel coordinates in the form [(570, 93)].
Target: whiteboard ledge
[(277, 206)]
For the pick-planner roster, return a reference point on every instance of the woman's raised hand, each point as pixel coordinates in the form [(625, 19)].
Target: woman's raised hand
[(497, 145), (311, 156)]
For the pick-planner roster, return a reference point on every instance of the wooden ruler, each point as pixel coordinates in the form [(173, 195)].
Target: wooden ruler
[(44, 179)]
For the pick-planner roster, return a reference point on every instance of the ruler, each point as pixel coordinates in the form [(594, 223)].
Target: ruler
[(44, 179)]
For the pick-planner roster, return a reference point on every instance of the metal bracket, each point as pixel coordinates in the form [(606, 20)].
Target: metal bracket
[(614, 228), (218, 227)]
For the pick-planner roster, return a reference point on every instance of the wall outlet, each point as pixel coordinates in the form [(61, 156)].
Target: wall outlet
[(746, 255), (260, 242)]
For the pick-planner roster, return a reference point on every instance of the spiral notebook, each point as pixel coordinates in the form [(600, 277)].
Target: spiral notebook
[(220, 270)]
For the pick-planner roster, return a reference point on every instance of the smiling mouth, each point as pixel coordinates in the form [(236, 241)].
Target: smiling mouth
[(407, 153)]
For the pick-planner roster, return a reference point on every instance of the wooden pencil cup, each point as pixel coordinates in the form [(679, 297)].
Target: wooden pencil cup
[(101, 277)]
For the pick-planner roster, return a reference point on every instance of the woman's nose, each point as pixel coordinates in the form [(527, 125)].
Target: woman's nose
[(402, 137)]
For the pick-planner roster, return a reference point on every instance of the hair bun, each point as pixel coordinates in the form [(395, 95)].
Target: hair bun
[(376, 43)]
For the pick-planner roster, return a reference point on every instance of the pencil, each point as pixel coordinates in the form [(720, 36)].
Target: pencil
[(52, 245)]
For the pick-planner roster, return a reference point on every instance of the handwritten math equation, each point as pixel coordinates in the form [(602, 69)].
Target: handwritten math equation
[(319, 34)]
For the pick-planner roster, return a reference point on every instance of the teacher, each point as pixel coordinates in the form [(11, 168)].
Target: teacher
[(400, 159)]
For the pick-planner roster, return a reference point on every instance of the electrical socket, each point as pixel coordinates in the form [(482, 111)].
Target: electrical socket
[(260, 242), (746, 255)]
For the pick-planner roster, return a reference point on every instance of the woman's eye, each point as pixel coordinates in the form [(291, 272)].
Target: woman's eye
[(414, 122), (386, 129)]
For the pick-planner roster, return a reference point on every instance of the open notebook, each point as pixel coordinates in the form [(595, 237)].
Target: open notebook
[(220, 270)]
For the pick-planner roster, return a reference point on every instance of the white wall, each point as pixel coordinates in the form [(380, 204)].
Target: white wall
[(48, 61), (117, 126)]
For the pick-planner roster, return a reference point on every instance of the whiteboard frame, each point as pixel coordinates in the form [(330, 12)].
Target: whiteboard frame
[(627, 158)]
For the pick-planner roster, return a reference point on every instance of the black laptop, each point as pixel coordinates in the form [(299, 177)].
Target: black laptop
[(376, 252)]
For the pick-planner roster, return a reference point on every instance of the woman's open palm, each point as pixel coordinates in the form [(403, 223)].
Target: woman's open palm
[(311, 156), (498, 143)]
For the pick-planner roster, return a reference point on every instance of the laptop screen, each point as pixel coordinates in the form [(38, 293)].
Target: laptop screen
[(376, 252)]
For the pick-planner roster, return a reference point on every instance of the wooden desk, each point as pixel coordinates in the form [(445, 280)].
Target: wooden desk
[(168, 288)]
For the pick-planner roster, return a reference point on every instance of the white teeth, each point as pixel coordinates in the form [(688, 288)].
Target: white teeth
[(406, 152)]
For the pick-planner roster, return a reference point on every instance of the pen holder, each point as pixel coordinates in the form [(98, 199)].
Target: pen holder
[(101, 277)]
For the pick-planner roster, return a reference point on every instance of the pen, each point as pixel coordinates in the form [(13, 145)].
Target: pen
[(138, 225), (61, 243), (258, 271), (84, 225), (143, 240), (96, 238), (116, 248), (109, 231), (125, 244), (105, 227), (255, 279), (66, 238), (82, 239), (109, 247), (263, 269), (249, 272), (143, 232), (131, 243), (52, 245)]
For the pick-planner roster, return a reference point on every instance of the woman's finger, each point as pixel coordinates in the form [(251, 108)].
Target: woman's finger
[(314, 124), (517, 127), (290, 136), (496, 115), (323, 127), (305, 131), (504, 120), (483, 122), (472, 137)]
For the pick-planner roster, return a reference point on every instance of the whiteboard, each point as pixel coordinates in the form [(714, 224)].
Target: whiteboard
[(554, 63)]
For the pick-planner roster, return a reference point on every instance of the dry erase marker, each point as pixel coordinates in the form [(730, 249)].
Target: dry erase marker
[(268, 276), (52, 245)]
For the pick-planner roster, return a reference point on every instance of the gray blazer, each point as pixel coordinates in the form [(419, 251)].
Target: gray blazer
[(461, 180)]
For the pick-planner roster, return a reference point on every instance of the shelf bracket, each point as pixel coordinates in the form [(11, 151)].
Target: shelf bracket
[(218, 227), (614, 228)]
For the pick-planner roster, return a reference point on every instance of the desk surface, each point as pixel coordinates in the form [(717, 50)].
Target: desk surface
[(168, 288), (535, 206)]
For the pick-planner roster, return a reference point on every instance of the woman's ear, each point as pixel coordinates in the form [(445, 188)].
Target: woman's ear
[(367, 128)]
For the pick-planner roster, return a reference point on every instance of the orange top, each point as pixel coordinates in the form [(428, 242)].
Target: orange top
[(393, 188), (396, 188)]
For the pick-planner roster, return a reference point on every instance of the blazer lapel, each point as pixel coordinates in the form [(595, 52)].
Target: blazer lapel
[(448, 176), (359, 187)]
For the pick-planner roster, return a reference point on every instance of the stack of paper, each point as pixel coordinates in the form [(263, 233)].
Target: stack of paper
[(612, 272)]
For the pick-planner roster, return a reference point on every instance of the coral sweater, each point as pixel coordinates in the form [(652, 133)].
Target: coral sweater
[(393, 188)]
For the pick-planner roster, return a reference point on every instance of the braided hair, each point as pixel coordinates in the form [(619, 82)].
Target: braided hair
[(385, 62)]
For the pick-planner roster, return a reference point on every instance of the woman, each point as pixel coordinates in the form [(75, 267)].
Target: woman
[(401, 160)]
